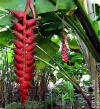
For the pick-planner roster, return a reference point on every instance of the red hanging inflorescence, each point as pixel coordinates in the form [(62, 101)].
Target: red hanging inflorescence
[(64, 49), (24, 42)]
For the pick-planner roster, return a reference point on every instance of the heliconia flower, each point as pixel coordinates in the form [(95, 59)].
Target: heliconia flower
[(23, 101), (33, 35), (19, 73), (31, 22), (29, 69), (28, 56), (28, 76), (29, 62), (29, 40), (17, 14), (24, 51), (29, 47), (24, 97), (26, 84), (19, 66), (20, 79), (18, 58), (17, 25), (29, 31), (64, 49), (25, 91), (18, 44), (18, 51), (18, 35)]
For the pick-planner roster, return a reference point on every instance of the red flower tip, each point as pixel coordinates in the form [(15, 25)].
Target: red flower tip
[(23, 102), (17, 25), (17, 14), (18, 44), (18, 35), (31, 22)]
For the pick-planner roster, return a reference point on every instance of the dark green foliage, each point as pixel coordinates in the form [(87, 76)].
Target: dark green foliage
[(75, 67), (5, 38), (49, 26), (28, 105)]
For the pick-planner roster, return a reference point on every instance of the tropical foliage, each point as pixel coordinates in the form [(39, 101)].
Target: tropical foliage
[(54, 15)]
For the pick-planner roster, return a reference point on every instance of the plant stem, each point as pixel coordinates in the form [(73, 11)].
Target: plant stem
[(89, 28), (33, 9)]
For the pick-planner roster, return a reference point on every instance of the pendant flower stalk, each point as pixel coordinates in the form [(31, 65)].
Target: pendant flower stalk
[(64, 48), (24, 43)]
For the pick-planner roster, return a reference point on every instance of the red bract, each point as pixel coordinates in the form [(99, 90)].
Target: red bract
[(18, 51), (19, 73), (24, 61), (29, 31), (28, 76), (18, 26), (19, 44), (29, 40), (19, 66), (29, 62), (18, 58), (20, 80), (17, 14), (18, 35), (31, 22), (64, 49), (29, 69), (29, 47)]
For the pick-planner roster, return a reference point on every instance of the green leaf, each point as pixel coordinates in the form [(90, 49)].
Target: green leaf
[(56, 40), (2, 11), (43, 6), (6, 20), (70, 90), (77, 65), (96, 26), (97, 9), (66, 4), (13, 105), (13, 4), (49, 47), (59, 75), (5, 38), (73, 44), (53, 79), (10, 55)]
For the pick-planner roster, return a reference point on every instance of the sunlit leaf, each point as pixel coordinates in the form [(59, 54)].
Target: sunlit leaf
[(43, 6), (49, 47), (66, 4)]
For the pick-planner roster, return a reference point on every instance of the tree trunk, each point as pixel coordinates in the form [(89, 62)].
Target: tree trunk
[(90, 61)]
